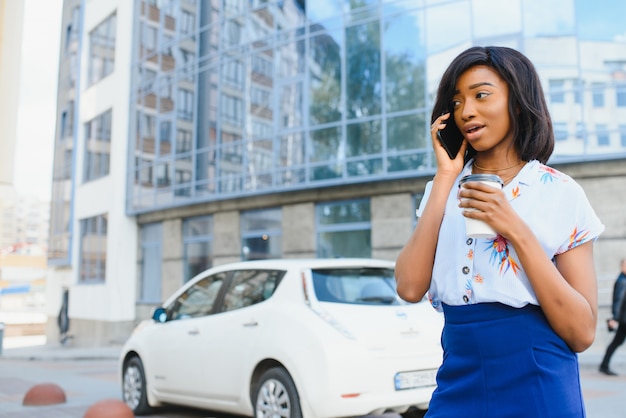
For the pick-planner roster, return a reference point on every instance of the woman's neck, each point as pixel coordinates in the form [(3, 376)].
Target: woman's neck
[(507, 169)]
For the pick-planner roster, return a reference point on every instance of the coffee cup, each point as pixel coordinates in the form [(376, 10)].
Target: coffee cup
[(475, 228)]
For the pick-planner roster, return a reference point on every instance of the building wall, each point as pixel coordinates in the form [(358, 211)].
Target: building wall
[(172, 258), (299, 230)]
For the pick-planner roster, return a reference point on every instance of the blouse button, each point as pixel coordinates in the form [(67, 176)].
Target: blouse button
[(469, 241), (465, 270)]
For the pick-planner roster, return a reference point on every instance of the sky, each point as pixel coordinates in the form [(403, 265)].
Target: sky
[(36, 120)]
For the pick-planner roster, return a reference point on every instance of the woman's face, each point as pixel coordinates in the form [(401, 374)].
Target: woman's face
[(481, 109)]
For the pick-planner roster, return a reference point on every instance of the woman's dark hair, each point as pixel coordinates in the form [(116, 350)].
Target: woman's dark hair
[(528, 111)]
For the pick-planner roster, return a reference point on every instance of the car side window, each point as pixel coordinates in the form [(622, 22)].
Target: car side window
[(198, 300), (250, 287)]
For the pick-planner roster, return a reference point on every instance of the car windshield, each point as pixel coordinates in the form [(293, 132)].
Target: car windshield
[(366, 286)]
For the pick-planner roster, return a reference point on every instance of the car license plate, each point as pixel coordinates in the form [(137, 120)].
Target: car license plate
[(415, 379)]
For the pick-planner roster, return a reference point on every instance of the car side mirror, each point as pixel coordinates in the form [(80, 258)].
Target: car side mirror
[(159, 315)]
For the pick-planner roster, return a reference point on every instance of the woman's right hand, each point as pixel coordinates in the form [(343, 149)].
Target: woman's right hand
[(445, 165)]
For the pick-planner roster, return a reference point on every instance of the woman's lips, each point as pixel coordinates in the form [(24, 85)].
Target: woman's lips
[(472, 131)]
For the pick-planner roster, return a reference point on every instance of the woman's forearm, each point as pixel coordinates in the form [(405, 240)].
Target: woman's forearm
[(566, 291), (414, 264)]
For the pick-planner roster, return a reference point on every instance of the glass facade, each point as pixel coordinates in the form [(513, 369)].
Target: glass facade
[(247, 97)]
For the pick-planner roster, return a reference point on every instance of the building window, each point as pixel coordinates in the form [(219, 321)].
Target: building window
[(261, 129), (147, 125), (603, 135), (93, 249), (622, 135), (233, 74), (261, 232), (260, 97), (64, 125), (198, 245), (102, 50), (597, 93), (581, 132), (560, 131), (621, 95), (557, 95), (183, 141), (232, 109), (262, 66), (232, 33), (187, 23), (577, 86), (150, 38), (71, 31), (163, 175), (185, 104), (165, 137), (344, 229), (67, 122), (97, 146), (234, 6), (151, 246)]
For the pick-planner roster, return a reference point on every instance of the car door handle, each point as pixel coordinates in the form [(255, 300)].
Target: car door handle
[(250, 324), (193, 331)]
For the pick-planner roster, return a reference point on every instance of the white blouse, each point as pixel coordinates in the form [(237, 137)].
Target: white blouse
[(475, 270)]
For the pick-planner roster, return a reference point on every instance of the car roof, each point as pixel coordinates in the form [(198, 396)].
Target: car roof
[(304, 263)]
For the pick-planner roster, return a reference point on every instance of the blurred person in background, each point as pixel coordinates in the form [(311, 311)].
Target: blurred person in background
[(618, 321)]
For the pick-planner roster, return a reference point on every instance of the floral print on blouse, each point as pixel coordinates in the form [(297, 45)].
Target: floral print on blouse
[(475, 270)]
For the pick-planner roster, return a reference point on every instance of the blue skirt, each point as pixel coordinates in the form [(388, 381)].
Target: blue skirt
[(504, 362)]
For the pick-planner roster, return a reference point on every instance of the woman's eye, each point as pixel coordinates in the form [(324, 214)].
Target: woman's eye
[(482, 95), (455, 103)]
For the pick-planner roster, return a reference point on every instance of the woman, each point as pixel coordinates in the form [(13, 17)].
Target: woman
[(517, 307)]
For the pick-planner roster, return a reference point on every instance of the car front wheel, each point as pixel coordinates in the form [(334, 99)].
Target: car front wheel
[(276, 396), (134, 387)]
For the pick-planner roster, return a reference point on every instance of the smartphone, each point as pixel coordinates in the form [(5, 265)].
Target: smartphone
[(450, 137)]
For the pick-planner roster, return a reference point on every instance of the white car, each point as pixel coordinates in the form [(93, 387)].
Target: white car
[(291, 338)]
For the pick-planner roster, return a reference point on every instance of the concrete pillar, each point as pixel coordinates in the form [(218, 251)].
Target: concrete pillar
[(299, 230)]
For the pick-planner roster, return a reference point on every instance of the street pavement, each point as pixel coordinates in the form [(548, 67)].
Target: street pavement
[(89, 375)]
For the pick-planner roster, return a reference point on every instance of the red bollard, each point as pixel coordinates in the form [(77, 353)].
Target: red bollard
[(109, 408), (44, 394)]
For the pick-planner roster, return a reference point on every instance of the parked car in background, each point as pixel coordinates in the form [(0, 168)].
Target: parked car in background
[(291, 338)]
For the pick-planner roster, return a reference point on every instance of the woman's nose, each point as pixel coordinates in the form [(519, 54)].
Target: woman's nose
[(468, 110)]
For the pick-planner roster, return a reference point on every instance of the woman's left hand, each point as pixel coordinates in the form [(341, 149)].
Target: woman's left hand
[(491, 206)]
